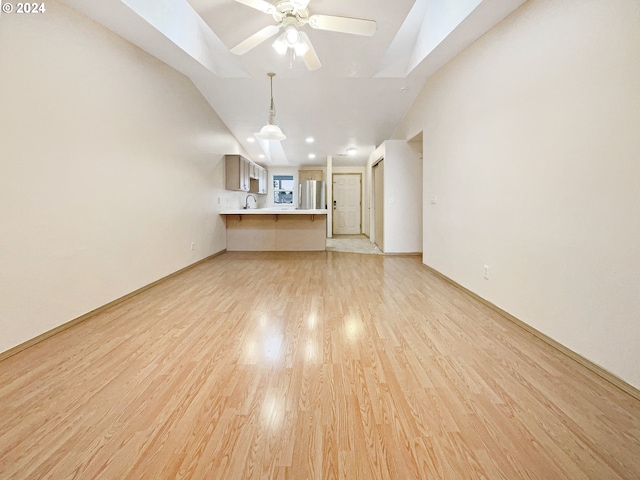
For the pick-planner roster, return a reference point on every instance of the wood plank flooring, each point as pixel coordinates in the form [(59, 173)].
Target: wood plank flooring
[(311, 365)]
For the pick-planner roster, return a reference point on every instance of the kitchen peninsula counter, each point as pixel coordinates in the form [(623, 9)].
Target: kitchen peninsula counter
[(273, 229), (273, 211)]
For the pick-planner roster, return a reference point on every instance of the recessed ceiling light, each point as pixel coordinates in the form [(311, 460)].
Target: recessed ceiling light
[(351, 151), (312, 156), (310, 140), (404, 89), (251, 139), (261, 155)]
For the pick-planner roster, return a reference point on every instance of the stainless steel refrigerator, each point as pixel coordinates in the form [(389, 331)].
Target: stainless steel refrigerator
[(311, 195)]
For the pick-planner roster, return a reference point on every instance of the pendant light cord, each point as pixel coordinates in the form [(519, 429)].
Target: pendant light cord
[(272, 109)]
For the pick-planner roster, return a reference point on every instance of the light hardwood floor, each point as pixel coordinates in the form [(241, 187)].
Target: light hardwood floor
[(307, 366)]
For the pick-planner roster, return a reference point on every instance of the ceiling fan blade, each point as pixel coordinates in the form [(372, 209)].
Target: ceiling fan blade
[(255, 40), (355, 26), (261, 5), (310, 57)]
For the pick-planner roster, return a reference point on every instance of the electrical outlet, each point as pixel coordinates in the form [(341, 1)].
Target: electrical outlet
[(486, 272), (193, 246), (434, 199)]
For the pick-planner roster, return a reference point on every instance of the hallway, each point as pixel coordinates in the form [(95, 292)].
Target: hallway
[(352, 244)]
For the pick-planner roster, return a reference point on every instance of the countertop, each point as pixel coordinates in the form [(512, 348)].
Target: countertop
[(272, 211)]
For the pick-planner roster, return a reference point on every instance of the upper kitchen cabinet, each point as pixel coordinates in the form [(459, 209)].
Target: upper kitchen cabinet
[(237, 173), (310, 175), (244, 175), (259, 184)]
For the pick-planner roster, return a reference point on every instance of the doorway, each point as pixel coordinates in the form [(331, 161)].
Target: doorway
[(378, 204), (417, 145), (347, 203)]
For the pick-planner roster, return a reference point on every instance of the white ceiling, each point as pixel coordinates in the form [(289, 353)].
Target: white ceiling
[(356, 99)]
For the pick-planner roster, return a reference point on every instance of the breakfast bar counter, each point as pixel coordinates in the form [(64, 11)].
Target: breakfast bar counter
[(273, 229)]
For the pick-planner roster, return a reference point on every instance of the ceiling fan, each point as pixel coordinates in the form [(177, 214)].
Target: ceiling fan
[(290, 15)]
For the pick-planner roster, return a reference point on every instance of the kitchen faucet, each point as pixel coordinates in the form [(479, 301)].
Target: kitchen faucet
[(246, 202)]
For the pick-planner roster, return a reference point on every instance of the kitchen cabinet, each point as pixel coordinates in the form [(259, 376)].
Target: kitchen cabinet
[(243, 175), (309, 175), (237, 173), (263, 181), (259, 181)]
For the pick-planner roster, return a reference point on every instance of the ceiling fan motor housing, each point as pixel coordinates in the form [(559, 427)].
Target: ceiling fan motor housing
[(286, 12)]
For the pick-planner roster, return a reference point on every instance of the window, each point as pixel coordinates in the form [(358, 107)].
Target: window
[(283, 189)]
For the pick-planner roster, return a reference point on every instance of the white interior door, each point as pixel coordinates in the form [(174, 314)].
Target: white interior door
[(347, 208)]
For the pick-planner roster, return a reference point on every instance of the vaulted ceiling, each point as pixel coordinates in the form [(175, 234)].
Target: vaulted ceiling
[(355, 99)]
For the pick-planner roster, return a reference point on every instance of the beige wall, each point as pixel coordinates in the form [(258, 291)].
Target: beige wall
[(110, 167), (532, 144)]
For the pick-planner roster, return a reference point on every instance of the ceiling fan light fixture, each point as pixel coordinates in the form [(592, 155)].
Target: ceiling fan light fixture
[(280, 45), (301, 48), (291, 36)]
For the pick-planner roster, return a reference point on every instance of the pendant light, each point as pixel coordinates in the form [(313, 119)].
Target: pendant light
[(271, 131)]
